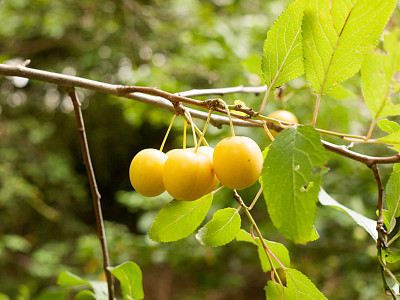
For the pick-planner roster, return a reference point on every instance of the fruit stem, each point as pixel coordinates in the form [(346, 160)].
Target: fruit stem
[(229, 115), (204, 130), (167, 133), (267, 131), (192, 125), (184, 134)]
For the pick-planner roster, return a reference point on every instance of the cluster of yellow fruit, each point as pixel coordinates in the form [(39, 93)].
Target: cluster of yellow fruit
[(188, 175)]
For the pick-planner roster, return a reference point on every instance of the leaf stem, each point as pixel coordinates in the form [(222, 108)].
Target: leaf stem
[(316, 108), (261, 239), (265, 99), (371, 128)]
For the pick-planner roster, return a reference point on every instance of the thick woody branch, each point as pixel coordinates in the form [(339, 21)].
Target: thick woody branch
[(118, 90), (159, 98), (94, 190)]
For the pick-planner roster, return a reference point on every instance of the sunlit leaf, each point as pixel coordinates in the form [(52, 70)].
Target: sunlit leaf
[(279, 250), (335, 39), (292, 174), (341, 93), (388, 219), (282, 56), (392, 196), (130, 278), (300, 287), (393, 129), (85, 295), (368, 224), (177, 219), (253, 64), (99, 287), (68, 279), (273, 291), (222, 229), (377, 72), (390, 257)]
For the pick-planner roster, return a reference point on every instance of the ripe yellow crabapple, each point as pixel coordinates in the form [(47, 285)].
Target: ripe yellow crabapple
[(209, 152), (145, 172), (237, 162), (187, 175), (282, 115)]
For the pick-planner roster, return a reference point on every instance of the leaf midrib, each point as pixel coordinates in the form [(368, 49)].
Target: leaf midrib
[(333, 52)]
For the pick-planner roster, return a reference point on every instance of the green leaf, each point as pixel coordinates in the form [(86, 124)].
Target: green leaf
[(341, 93), (388, 219), (311, 236), (335, 39), (392, 196), (253, 64), (68, 279), (222, 228), (368, 224), (390, 257), (292, 174), (282, 56), (273, 291), (178, 219), (4, 297), (85, 295), (393, 139), (130, 278), (99, 287), (279, 250), (300, 287), (377, 72)]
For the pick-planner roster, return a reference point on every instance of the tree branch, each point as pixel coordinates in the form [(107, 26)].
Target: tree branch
[(382, 233), (159, 98), (93, 187), (365, 159), (224, 91)]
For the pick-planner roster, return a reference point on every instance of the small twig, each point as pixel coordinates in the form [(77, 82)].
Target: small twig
[(382, 233), (365, 159), (224, 91), (93, 187)]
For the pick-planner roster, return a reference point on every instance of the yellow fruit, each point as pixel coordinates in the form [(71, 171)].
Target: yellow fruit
[(237, 162), (187, 175), (145, 172), (209, 152), (282, 115)]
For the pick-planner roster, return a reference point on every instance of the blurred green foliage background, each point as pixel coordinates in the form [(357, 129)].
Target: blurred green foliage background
[(47, 222)]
